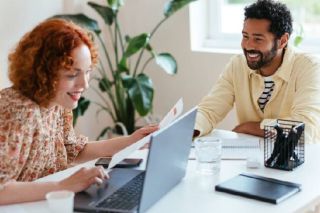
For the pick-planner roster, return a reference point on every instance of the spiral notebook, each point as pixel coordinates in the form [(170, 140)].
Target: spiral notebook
[(241, 148), (235, 146)]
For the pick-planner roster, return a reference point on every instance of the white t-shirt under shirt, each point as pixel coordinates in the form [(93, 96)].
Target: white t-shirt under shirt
[(267, 92)]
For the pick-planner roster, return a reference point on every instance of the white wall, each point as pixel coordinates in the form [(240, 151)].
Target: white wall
[(18, 17), (197, 71)]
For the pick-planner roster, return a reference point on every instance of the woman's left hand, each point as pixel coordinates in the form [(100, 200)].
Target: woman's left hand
[(144, 131)]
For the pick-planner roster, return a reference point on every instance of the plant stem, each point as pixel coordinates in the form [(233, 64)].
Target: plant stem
[(116, 41), (146, 63), (138, 62), (105, 101), (101, 69), (142, 50), (106, 53), (107, 110), (111, 35), (120, 35), (157, 26)]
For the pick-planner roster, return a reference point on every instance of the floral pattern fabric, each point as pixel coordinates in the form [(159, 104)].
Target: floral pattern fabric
[(34, 141)]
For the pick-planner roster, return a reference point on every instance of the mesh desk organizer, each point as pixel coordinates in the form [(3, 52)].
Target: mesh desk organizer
[(284, 146)]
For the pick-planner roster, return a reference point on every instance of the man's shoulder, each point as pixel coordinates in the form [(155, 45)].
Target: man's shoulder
[(306, 59)]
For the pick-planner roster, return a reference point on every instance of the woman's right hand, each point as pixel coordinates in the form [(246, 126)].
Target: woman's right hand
[(83, 178)]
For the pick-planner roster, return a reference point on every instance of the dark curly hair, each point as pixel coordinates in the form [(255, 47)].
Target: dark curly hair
[(276, 12), (41, 53)]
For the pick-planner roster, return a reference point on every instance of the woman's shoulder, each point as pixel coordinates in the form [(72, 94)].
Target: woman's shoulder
[(14, 101)]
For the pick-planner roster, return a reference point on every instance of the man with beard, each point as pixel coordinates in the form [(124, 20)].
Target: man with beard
[(270, 81)]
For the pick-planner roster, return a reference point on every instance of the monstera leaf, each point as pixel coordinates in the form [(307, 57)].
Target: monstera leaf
[(83, 21), (167, 62), (140, 90), (173, 6)]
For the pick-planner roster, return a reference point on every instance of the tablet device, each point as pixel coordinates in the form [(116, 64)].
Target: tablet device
[(126, 163)]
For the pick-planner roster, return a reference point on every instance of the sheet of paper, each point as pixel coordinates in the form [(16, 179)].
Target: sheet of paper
[(175, 111), (119, 156)]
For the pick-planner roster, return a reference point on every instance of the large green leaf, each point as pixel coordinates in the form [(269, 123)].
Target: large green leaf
[(297, 41), (104, 84), (140, 90), (115, 4), (167, 62), (82, 107), (136, 43), (174, 5), (122, 66), (82, 20), (105, 12), (120, 93), (103, 132)]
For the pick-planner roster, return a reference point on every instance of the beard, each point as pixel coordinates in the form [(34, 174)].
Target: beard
[(265, 58)]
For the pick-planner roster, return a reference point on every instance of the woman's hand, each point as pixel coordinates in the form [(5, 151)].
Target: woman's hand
[(144, 131), (83, 178)]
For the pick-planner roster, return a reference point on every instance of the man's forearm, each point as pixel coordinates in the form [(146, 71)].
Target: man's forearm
[(251, 128)]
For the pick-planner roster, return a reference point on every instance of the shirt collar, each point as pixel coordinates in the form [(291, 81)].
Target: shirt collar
[(285, 69)]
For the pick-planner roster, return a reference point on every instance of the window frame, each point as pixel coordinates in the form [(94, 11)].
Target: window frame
[(213, 40)]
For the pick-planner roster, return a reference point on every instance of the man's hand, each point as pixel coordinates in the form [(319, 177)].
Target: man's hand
[(251, 128), (196, 133)]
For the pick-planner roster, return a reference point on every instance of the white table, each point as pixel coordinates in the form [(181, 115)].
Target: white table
[(196, 192)]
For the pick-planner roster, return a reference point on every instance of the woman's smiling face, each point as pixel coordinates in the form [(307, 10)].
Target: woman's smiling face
[(72, 83)]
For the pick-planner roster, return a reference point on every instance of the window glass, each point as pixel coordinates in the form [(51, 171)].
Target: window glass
[(232, 15), (227, 19), (306, 15)]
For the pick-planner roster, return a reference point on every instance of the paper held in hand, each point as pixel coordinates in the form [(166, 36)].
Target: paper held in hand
[(170, 117)]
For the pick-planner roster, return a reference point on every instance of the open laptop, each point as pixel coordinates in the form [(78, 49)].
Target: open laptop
[(130, 190)]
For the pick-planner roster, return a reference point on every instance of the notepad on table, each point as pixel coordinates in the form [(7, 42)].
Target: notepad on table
[(240, 149), (236, 145)]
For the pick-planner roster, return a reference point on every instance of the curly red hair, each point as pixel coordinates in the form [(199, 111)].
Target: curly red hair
[(42, 53)]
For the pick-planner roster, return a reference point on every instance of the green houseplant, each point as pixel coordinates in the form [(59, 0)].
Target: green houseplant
[(123, 85)]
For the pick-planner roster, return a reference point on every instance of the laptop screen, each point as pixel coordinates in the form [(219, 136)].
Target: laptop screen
[(130, 190), (168, 158)]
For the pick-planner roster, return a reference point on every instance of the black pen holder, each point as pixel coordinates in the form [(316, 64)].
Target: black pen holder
[(284, 146)]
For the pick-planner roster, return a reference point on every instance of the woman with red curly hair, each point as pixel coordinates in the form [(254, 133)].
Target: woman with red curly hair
[(49, 70)]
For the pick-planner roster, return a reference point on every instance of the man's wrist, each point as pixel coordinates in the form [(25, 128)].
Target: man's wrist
[(267, 121)]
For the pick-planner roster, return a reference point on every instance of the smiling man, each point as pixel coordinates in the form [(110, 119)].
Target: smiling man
[(269, 81)]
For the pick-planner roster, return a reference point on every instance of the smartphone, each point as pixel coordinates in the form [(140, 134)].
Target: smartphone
[(126, 163)]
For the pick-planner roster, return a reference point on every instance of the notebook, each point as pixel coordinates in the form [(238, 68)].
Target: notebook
[(235, 146), (130, 190), (259, 188)]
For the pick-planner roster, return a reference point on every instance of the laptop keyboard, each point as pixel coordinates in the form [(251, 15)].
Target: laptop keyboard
[(127, 197)]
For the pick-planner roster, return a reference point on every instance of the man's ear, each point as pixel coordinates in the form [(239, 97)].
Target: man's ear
[(284, 39)]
